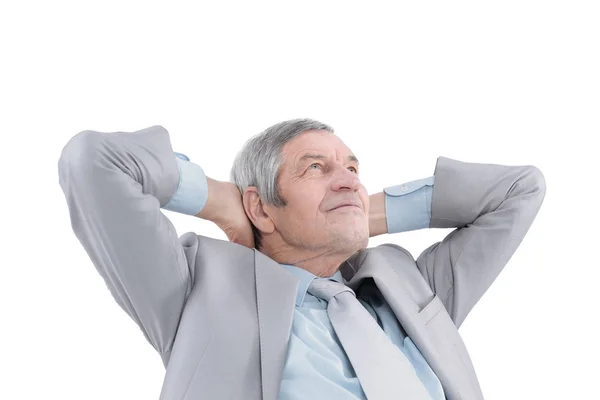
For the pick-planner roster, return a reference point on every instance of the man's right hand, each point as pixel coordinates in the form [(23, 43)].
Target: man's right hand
[(224, 207)]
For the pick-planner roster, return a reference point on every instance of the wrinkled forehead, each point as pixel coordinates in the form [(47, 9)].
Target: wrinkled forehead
[(315, 144)]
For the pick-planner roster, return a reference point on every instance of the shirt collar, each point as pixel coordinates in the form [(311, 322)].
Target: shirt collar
[(306, 278)]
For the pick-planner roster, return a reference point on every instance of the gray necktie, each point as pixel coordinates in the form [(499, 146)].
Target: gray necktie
[(382, 369)]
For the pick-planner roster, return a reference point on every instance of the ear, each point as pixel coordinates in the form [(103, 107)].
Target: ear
[(255, 210)]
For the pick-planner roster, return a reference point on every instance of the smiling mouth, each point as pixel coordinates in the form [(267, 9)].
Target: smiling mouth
[(347, 207)]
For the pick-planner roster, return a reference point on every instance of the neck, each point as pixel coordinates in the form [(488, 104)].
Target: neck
[(322, 263)]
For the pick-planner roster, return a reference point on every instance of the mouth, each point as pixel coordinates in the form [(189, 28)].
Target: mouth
[(346, 207)]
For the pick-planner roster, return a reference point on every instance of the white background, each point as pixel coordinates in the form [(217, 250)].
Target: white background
[(512, 82)]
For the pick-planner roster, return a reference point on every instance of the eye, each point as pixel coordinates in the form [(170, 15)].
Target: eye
[(355, 170), (311, 165)]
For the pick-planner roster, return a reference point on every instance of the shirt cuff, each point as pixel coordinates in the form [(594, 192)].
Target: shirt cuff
[(408, 206), (192, 192)]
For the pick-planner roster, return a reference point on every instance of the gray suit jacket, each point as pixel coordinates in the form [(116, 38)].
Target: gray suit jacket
[(115, 184)]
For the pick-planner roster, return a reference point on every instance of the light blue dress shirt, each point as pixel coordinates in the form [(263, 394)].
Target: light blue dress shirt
[(316, 366)]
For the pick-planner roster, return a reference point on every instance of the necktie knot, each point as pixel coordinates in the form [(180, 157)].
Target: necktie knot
[(326, 288)]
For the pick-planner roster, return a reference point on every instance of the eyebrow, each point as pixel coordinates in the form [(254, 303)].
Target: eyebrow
[(350, 158)]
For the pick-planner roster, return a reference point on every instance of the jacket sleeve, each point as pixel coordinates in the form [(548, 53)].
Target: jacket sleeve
[(115, 184), (492, 207)]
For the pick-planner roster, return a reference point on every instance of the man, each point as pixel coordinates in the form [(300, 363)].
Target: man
[(295, 305)]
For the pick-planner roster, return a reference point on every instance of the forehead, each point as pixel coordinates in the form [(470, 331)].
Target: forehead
[(314, 142)]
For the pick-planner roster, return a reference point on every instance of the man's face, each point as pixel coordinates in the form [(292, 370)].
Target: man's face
[(318, 175)]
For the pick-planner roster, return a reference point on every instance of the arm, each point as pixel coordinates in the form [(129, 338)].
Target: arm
[(223, 207), (492, 207), (114, 184), (401, 208)]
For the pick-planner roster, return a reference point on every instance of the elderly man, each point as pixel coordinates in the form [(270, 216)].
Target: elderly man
[(295, 306)]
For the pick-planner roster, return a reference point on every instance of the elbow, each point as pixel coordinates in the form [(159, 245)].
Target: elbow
[(80, 149), (537, 180), (532, 185), (528, 181)]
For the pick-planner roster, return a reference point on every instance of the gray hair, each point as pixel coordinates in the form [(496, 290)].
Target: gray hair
[(259, 162)]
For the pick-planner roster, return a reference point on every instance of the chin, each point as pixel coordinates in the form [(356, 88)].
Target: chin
[(365, 242), (355, 242), (361, 244)]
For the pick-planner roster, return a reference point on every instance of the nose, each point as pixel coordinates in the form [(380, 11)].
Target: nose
[(344, 179)]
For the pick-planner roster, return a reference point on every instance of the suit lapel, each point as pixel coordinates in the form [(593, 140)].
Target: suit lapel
[(275, 295), (391, 285)]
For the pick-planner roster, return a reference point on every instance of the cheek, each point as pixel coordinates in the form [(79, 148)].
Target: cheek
[(364, 197), (307, 200), (305, 211)]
